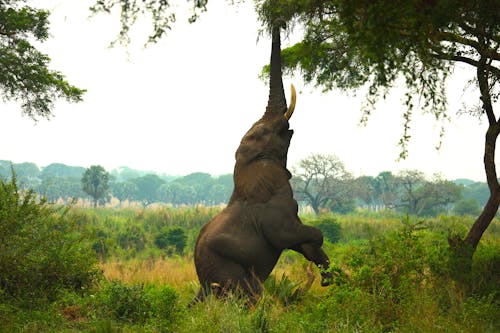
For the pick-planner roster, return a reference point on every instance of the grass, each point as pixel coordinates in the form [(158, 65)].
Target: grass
[(398, 278)]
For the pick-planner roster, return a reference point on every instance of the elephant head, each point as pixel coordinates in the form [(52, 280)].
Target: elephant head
[(269, 138), (238, 248)]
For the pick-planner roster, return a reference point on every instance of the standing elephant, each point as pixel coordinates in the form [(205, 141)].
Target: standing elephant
[(238, 249)]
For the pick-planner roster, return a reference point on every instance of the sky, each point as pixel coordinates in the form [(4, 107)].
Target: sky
[(182, 105)]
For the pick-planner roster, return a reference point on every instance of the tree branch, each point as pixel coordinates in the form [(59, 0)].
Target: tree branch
[(483, 50), (443, 56)]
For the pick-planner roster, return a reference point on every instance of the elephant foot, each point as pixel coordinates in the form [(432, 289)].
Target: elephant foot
[(325, 282), (326, 279)]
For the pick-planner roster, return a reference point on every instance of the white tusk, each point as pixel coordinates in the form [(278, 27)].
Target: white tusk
[(289, 112)]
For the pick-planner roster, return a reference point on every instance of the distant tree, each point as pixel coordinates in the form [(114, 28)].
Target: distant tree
[(419, 196), (50, 189), (364, 187), (61, 170), (95, 183), (5, 169), (467, 207), (478, 191), (217, 194), (410, 182), (438, 195), (123, 190), (386, 189), (25, 74), (147, 188), (27, 174), (201, 183), (322, 181), (123, 174), (177, 193)]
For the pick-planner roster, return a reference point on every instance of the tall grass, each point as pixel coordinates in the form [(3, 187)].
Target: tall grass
[(398, 277)]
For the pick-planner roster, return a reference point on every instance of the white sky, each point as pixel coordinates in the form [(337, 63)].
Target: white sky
[(182, 105)]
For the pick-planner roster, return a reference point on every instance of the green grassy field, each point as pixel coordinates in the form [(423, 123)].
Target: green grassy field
[(393, 274)]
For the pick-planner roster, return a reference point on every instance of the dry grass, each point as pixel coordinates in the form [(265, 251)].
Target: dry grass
[(173, 271), (180, 273)]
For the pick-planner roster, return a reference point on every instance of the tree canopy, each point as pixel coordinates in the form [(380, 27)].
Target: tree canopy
[(352, 43), (25, 76)]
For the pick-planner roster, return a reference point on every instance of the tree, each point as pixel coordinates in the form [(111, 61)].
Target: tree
[(177, 193), (124, 190), (349, 43), (467, 207), (201, 182), (410, 181), (61, 170), (147, 188), (27, 174), (322, 181), (439, 194), (386, 188), (95, 183), (422, 197), (25, 75)]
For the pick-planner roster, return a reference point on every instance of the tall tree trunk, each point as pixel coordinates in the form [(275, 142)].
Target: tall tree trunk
[(467, 247)]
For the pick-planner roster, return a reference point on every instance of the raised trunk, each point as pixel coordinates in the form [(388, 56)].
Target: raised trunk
[(276, 104)]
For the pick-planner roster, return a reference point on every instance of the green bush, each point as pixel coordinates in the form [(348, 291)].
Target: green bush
[(41, 249), (467, 207), (138, 303), (174, 237), (331, 229)]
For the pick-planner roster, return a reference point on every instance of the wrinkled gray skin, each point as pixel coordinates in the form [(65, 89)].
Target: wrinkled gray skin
[(238, 249)]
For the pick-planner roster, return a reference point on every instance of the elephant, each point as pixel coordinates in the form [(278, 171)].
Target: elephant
[(237, 249)]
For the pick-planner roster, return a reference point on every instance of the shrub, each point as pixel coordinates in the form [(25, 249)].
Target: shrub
[(41, 249), (137, 303), (174, 237), (331, 229), (132, 238), (467, 207)]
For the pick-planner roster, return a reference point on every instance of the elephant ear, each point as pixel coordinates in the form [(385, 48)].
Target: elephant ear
[(260, 181)]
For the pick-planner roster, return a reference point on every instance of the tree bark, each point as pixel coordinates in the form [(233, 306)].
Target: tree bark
[(491, 207), (468, 246)]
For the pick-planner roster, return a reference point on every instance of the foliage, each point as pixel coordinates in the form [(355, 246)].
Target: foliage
[(138, 303), (398, 277), (159, 11), (171, 237), (147, 188), (42, 250), (25, 76), (332, 231), (95, 183), (349, 44), (467, 207)]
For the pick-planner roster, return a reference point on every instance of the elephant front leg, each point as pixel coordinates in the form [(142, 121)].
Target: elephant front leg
[(316, 254)]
